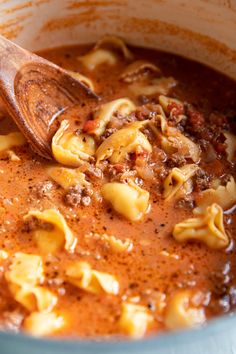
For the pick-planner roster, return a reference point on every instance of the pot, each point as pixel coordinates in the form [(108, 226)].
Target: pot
[(203, 30)]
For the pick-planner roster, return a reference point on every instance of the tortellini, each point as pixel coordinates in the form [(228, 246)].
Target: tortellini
[(103, 52), (83, 276), (129, 200), (137, 70), (12, 156), (114, 42), (117, 245), (172, 106), (104, 114), (207, 228), (26, 269), (84, 79), (181, 313), (41, 324), (157, 86), (177, 179), (98, 57), (172, 140), (57, 235), (176, 141), (231, 146), (135, 320), (124, 141), (67, 177), (10, 140), (71, 149), (225, 196), (24, 278), (165, 102), (3, 255)]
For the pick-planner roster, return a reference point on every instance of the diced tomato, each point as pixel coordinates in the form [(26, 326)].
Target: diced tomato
[(119, 167), (140, 152), (220, 147), (90, 126), (196, 119), (178, 108)]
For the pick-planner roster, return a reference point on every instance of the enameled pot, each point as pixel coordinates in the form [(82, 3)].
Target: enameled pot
[(203, 30)]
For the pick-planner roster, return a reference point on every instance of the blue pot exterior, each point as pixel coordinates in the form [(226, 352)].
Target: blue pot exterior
[(218, 337)]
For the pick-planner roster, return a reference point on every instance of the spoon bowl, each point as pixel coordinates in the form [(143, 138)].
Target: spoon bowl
[(35, 91)]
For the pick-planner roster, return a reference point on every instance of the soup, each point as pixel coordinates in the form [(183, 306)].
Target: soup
[(130, 230)]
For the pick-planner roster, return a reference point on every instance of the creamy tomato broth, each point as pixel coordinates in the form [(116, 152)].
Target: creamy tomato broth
[(130, 231)]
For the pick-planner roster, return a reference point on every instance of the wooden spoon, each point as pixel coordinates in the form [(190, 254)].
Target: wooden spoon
[(35, 91)]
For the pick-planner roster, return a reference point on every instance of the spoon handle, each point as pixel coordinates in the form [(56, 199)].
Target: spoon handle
[(12, 58)]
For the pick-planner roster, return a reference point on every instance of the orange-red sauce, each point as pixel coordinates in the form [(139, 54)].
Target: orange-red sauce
[(144, 271)]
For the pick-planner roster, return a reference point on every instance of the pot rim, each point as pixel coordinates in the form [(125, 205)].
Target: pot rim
[(145, 345)]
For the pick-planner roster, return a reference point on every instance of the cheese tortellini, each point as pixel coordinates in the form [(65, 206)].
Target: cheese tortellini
[(67, 177), (225, 196), (177, 142), (56, 235), (172, 106), (104, 52), (172, 140), (124, 141), (115, 43), (83, 276), (166, 102), (181, 313), (98, 57), (104, 114), (135, 320), (157, 86), (84, 79), (207, 227), (177, 179), (129, 200), (117, 245), (24, 278), (3, 255), (138, 70), (7, 142), (41, 324), (71, 149)]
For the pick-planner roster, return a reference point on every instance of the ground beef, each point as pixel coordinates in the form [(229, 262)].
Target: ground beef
[(161, 172), (41, 190), (147, 111), (108, 132), (117, 168), (93, 172), (201, 180), (185, 203), (176, 160), (143, 99), (73, 196), (77, 195)]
